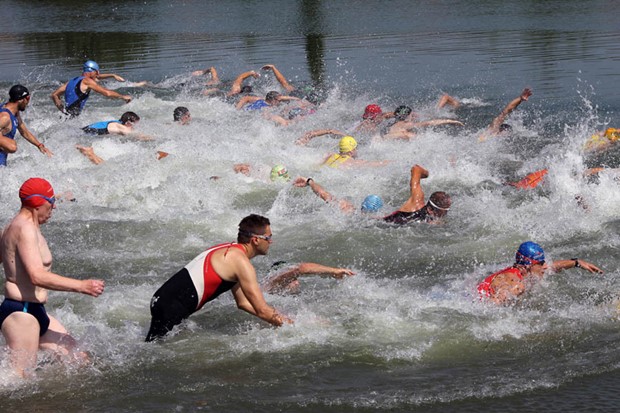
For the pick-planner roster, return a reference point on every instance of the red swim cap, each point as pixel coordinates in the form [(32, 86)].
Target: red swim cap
[(33, 190), (372, 111)]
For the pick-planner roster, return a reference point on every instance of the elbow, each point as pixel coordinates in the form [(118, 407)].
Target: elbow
[(10, 147), (304, 268)]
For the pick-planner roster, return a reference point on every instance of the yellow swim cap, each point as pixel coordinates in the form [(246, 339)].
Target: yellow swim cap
[(612, 134), (347, 144)]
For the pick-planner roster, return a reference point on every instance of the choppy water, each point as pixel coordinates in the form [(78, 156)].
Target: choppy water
[(406, 333)]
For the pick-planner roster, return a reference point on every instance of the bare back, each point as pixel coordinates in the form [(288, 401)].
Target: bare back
[(15, 248)]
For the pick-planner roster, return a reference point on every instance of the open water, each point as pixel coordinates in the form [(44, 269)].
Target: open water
[(407, 333)]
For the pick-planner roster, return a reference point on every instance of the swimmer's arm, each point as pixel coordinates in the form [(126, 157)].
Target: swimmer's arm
[(249, 297), (109, 75), (436, 122), (30, 256), (560, 265), (308, 136), (277, 119), (245, 101), (286, 98), (103, 91), (235, 89), (310, 268), (89, 152), (416, 193), (123, 130), (281, 79), (25, 132), (56, 97), (242, 168), (494, 127), (7, 145)]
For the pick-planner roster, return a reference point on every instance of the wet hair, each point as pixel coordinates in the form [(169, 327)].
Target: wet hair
[(401, 112), (273, 95), (179, 112), (246, 89), (250, 225), (441, 199), (504, 127), (129, 117)]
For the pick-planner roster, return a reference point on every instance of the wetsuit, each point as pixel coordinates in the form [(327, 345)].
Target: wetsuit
[(187, 291), (336, 160), (75, 99), (99, 128), (10, 306), (486, 290), (10, 135), (402, 217), (258, 105)]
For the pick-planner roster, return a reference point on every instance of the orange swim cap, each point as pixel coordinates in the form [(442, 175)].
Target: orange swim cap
[(35, 192)]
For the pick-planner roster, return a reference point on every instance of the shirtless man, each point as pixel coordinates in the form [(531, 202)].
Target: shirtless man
[(77, 90), (505, 286), (11, 122), (403, 125), (27, 263), (219, 269)]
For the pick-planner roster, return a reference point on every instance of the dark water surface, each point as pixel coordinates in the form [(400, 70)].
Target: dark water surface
[(407, 333)]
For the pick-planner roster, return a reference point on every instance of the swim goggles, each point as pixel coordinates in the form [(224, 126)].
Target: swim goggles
[(51, 200)]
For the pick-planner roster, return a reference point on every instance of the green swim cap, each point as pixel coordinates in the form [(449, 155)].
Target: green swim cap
[(279, 173)]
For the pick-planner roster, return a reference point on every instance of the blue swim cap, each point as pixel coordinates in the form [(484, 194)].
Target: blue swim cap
[(91, 66), (530, 253), (372, 203)]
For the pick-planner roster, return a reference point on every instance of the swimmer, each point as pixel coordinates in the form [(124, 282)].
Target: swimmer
[(602, 140), (219, 269), (11, 122), (498, 126), (181, 115), (286, 280), (308, 136), (272, 99), (123, 127), (403, 125), (347, 155), (77, 90), (505, 286), (27, 263), (237, 87), (413, 210)]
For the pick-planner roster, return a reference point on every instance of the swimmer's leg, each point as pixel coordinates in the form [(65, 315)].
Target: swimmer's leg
[(21, 332), (58, 340)]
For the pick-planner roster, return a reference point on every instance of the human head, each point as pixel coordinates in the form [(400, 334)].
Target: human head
[(439, 204), (401, 112), (347, 144), (530, 253), (612, 134), (372, 203), (129, 117), (250, 226), (371, 112), (246, 89), (18, 92), (279, 173), (504, 127), (90, 66), (272, 97), (181, 114), (35, 192)]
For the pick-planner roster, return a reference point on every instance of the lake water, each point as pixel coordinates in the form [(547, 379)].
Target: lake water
[(407, 333)]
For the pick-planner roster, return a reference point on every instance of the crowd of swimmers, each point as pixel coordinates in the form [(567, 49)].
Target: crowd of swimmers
[(27, 259)]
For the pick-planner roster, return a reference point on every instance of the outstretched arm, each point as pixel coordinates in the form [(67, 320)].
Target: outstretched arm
[(308, 136), (494, 127), (436, 122), (103, 76), (25, 132), (105, 92), (245, 101), (89, 152), (575, 263), (416, 197), (285, 84), (282, 281), (235, 89), (343, 204)]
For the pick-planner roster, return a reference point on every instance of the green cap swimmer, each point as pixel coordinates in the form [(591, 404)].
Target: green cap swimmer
[(279, 173)]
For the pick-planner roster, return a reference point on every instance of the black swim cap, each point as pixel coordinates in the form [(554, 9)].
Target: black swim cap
[(402, 112), (18, 92)]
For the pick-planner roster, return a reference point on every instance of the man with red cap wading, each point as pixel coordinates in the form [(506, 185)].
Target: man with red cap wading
[(11, 122), (508, 284), (27, 263)]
